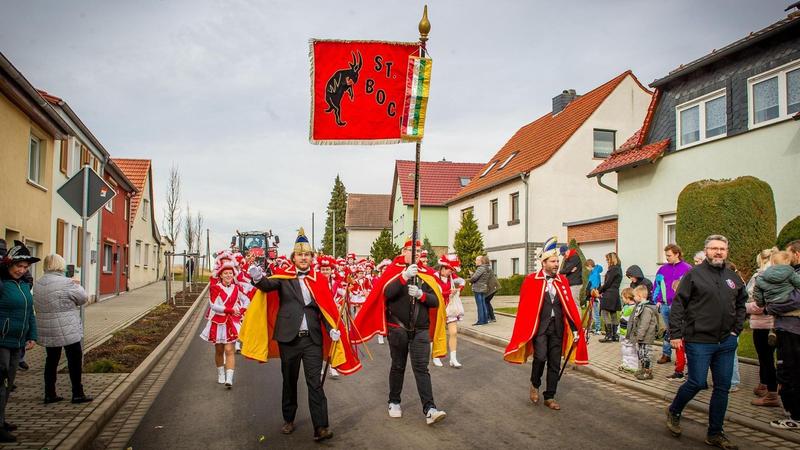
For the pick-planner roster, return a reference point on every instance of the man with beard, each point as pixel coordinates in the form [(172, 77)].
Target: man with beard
[(707, 315)]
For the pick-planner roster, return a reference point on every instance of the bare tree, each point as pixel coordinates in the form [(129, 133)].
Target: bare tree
[(172, 210), (198, 230), (189, 234)]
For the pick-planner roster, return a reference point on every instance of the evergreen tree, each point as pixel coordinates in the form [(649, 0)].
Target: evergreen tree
[(433, 258), (383, 247), (337, 204), (468, 242)]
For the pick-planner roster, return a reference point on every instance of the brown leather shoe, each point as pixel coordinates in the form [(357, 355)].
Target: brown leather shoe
[(534, 395), (287, 428), (551, 403), (760, 390), (664, 359), (769, 400), (322, 433)]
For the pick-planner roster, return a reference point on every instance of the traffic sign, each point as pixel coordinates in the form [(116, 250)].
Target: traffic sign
[(98, 192)]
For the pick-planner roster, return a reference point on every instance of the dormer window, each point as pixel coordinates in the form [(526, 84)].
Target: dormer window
[(508, 160), (702, 119), (488, 169)]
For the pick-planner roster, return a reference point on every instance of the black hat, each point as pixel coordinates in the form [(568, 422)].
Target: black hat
[(19, 253)]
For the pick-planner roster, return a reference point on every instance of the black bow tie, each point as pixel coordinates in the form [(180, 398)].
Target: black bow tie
[(550, 277), (302, 273)]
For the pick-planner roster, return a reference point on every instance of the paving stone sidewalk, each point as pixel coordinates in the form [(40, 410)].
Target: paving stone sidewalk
[(604, 360), (39, 423)]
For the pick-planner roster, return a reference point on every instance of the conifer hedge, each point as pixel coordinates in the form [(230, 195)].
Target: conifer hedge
[(790, 232), (743, 210)]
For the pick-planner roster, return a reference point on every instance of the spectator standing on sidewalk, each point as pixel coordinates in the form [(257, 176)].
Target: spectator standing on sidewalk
[(594, 283), (767, 390), (787, 329), (634, 273), (572, 269), (642, 330), (480, 286), (492, 289), (609, 302), (667, 278), (19, 323), (57, 300), (707, 316)]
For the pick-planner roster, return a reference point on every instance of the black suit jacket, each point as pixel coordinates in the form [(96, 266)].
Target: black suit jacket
[(292, 309), (557, 316)]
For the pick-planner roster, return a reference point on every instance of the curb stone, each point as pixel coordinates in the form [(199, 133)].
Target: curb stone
[(88, 429), (645, 389)]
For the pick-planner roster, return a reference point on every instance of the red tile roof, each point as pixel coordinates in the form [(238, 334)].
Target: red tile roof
[(368, 211), (439, 180), (631, 157), (137, 171), (538, 141), (52, 99)]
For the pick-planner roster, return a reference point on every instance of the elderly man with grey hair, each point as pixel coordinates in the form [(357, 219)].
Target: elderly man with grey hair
[(57, 300), (707, 315)]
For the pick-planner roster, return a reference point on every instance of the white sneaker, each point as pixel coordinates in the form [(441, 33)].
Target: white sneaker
[(455, 364), (395, 411), (434, 415), (334, 373), (221, 375), (237, 347), (229, 378), (437, 362), (380, 339)]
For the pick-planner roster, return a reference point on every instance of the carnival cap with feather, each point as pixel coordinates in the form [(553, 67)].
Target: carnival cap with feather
[(19, 253), (550, 248), (301, 244)]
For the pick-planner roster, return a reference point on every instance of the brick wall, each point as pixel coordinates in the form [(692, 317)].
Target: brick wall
[(591, 232)]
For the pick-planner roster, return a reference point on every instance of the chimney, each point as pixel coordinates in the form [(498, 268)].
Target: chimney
[(563, 99)]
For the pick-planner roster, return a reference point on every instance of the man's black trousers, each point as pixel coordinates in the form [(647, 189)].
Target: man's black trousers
[(547, 350), (401, 343), (305, 350)]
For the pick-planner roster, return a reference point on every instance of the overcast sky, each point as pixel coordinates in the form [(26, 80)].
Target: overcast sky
[(221, 88)]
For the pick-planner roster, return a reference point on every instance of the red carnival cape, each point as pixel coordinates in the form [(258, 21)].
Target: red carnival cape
[(371, 318), (526, 324), (259, 323)]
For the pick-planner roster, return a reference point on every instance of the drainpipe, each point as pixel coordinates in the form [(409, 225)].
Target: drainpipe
[(603, 185), (99, 235), (524, 176)]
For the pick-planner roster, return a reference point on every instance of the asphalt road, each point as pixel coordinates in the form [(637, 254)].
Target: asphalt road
[(486, 402)]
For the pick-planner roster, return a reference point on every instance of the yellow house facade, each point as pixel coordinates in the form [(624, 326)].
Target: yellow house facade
[(29, 129)]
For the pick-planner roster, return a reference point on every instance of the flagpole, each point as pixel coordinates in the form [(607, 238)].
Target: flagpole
[(424, 28)]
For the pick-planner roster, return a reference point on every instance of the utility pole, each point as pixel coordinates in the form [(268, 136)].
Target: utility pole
[(208, 251)]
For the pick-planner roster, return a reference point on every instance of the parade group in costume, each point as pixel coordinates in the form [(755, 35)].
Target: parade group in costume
[(547, 326), (315, 312)]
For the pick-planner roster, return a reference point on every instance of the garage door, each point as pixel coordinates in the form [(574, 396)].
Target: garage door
[(598, 251)]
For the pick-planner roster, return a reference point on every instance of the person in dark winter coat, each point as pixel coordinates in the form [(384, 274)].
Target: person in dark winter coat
[(706, 319), (572, 269), (634, 273), (609, 301)]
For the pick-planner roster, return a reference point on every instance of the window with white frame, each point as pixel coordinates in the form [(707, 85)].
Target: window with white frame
[(488, 169), (514, 266), (145, 209), (493, 213), (775, 95), (108, 258), (667, 233), (604, 143), (137, 253), (466, 211), (514, 200), (702, 119), (71, 244), (35, 150), (146, 255), (493, 265), (74, 158), (35, 248)]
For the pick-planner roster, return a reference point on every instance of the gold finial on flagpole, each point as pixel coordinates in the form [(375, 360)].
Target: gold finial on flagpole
[(424, 26)]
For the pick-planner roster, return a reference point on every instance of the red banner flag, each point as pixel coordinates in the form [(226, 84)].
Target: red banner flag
[(358, 91)]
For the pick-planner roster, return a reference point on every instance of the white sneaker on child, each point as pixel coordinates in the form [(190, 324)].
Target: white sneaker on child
[(221, 375), (437, 362), (380, 339), (395, 411)]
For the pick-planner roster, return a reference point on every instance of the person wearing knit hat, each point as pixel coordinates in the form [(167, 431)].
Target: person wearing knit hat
[(545, 317), (306, 310)]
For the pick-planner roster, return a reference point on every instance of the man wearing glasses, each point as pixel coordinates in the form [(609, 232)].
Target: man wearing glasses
[(707, 315)]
